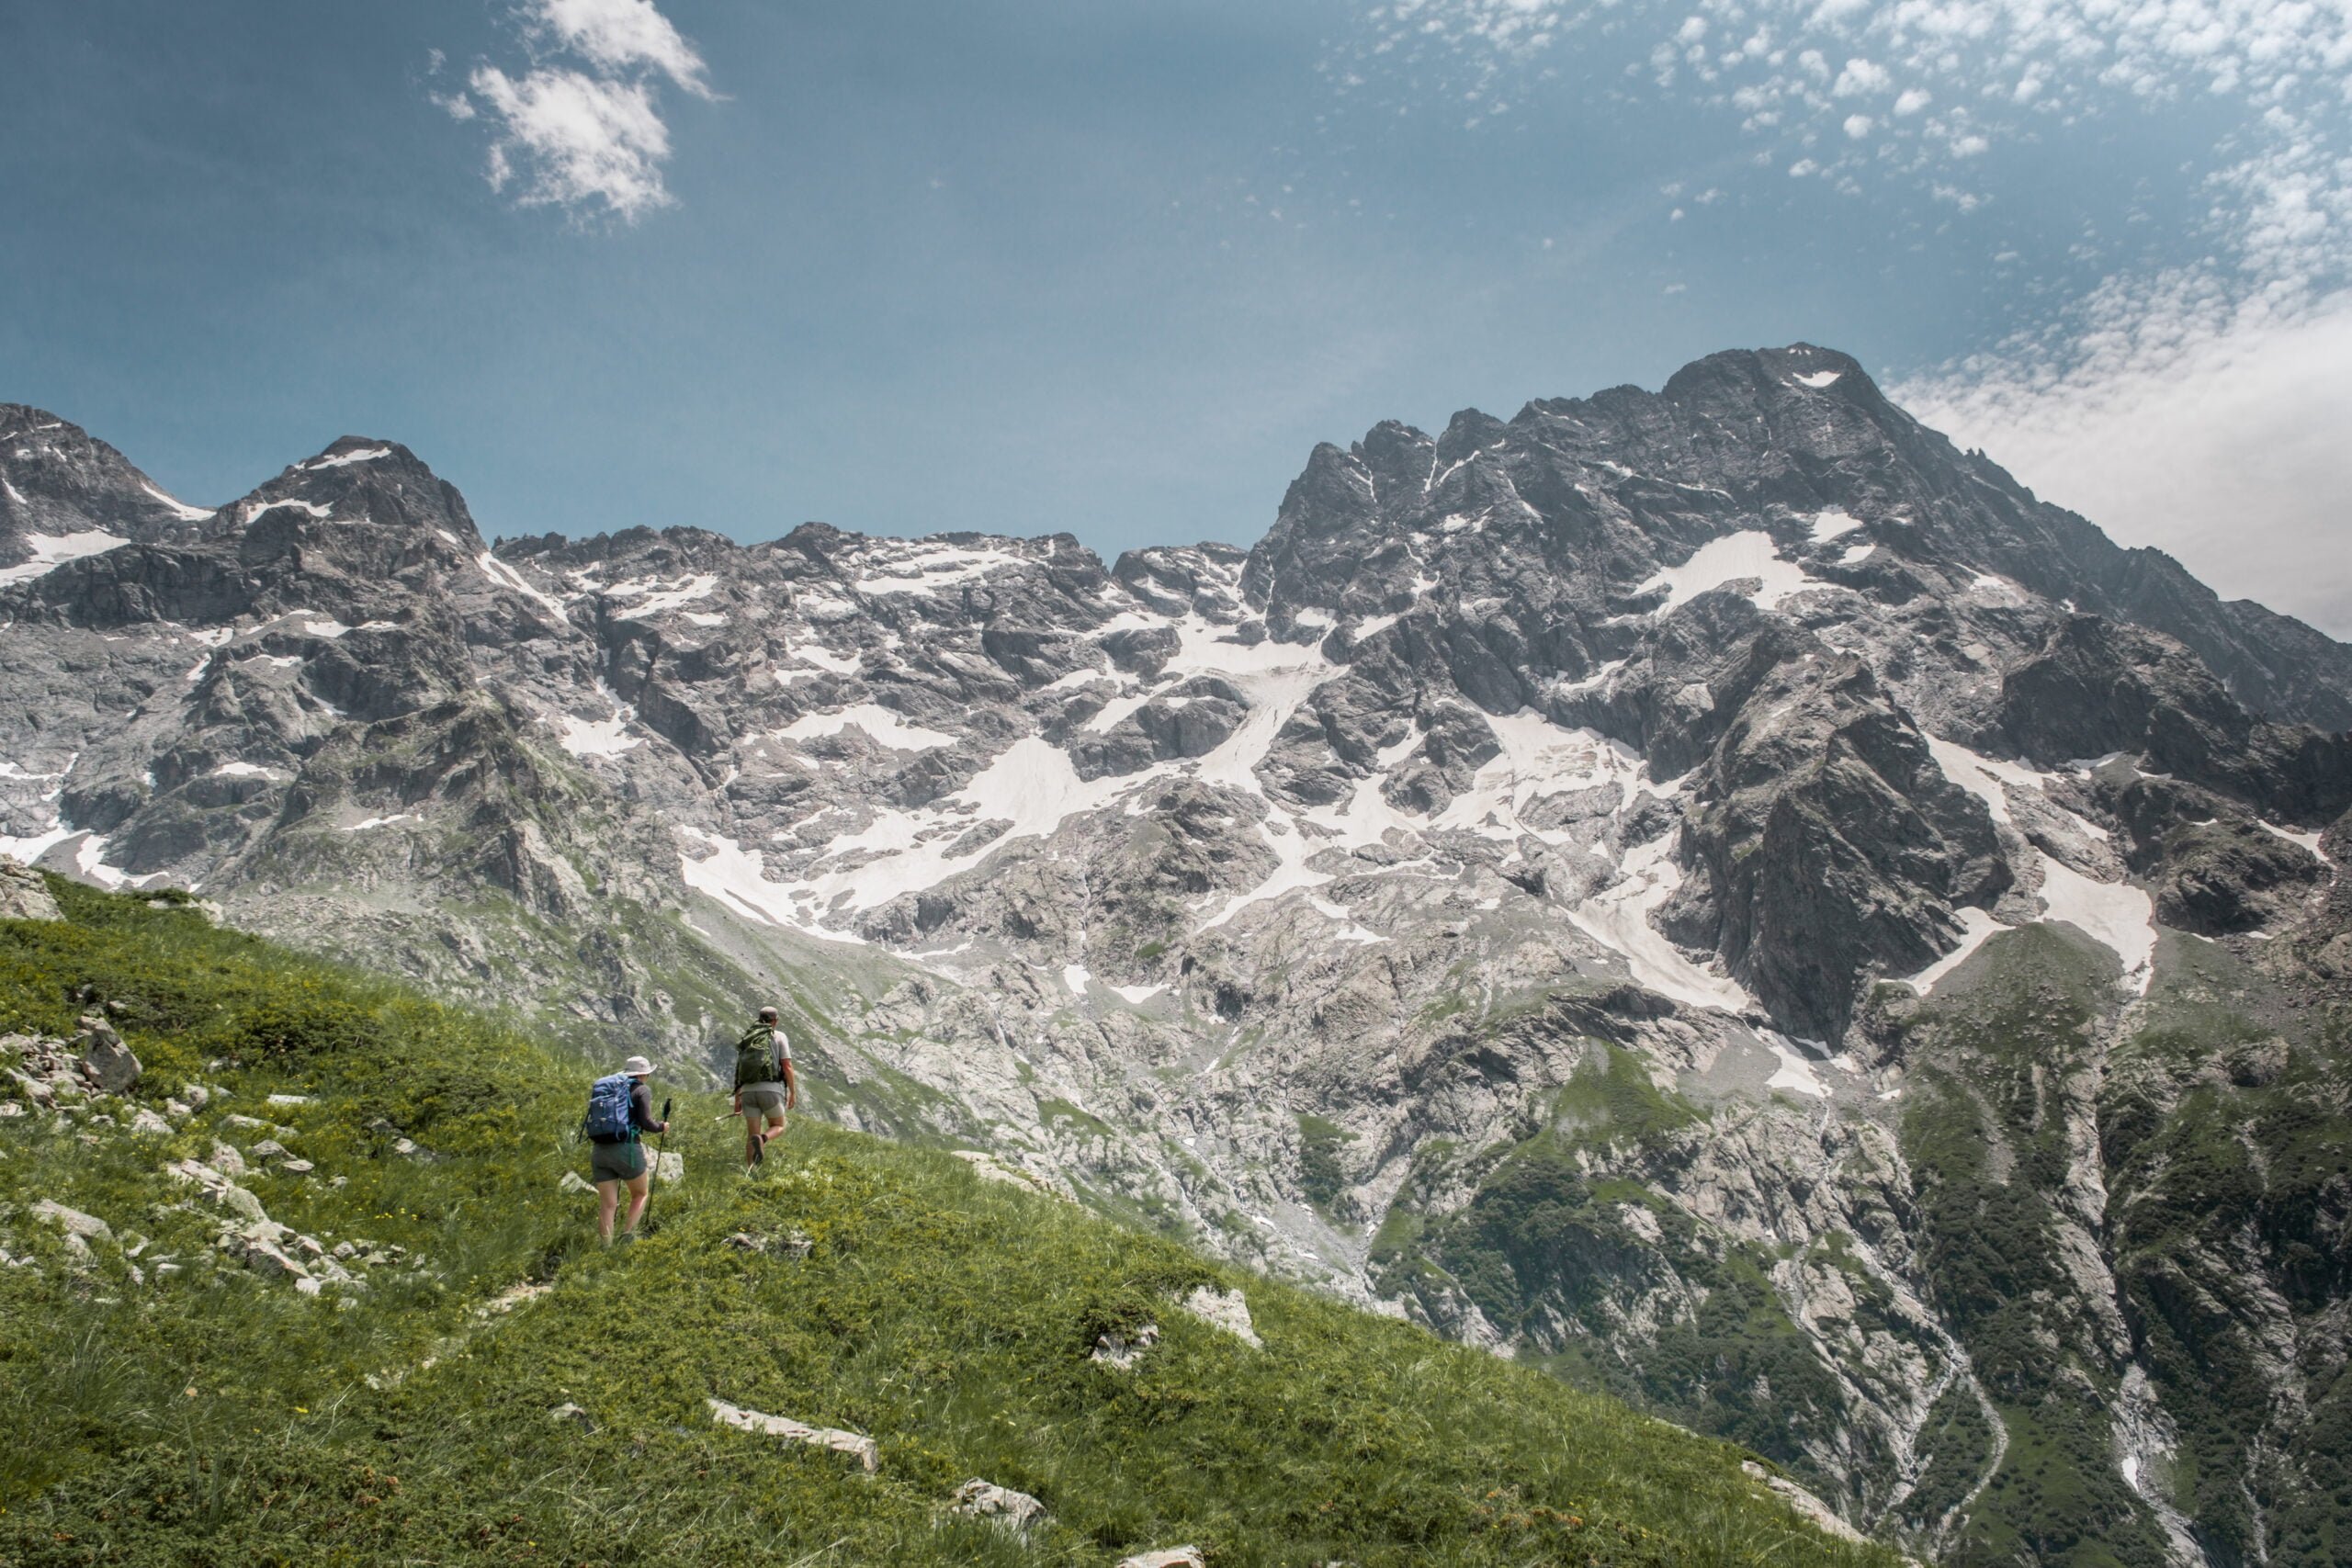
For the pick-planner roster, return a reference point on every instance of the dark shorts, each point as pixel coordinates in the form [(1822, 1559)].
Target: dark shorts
[(616, 1162)]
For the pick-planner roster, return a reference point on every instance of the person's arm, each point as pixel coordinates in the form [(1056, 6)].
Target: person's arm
[(783, 1060), (640, 1109)]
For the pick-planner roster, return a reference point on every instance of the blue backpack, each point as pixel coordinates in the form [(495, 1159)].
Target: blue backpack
[(607, 1118)]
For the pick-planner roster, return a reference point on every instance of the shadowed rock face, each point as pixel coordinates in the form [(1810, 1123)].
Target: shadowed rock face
[(1714, 887)]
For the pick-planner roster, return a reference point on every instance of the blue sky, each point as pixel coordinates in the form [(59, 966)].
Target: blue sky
[(1051, 265)]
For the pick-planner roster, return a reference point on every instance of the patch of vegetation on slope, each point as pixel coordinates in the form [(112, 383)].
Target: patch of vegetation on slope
[(208, 1414), (2227, 1129), (1616, 1287), (1997, 1081)]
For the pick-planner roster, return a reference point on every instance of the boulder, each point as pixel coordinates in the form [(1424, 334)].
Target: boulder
[(24, 895), (296, 1167), (105, 1061), (272, 1261), (267, 1150), (72, 1222), (1120, 1352), (981, 1500), (1814, 1510), (148, 1124), (1228, 1310), (2335, 958), (669, 1168), (1168, 1556), (573, 1182), (856, 1445), (226, 1160)]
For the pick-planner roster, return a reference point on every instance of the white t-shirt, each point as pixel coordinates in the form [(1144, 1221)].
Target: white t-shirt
[(783, 1047)]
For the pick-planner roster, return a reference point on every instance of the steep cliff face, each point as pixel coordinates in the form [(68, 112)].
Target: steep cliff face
[(1713, 889)]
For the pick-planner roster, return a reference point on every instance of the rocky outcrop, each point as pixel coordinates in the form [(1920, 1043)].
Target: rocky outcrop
[(23, 894)]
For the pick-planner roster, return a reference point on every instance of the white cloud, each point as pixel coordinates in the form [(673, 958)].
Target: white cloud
[(621, 36), (590, 140), (2172, 418), (574, 141)]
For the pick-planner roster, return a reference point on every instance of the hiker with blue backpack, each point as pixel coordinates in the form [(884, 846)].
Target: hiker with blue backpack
[(620, 1107)]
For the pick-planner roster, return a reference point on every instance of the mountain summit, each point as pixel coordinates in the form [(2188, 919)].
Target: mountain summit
[(1717, 890)]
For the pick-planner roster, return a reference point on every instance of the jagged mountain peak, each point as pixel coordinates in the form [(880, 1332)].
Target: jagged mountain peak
[(66, 494), (359, 481)]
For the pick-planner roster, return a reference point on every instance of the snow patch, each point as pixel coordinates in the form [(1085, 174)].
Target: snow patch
[(881, 725), (343, 460), (1748, 553), (53, 551), (513, 579), (1818, 380), (2308, 840), (2116, 915), (932, 568), (659, 594), (180, 509), (1833, 522), (819, 657), (382, 822), (1136, 995), (1976, 926), (1795, 1073), (1618, 917)]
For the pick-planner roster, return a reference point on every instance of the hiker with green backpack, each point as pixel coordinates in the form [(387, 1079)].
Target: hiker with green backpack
[(765, 1088), (620, 1106)]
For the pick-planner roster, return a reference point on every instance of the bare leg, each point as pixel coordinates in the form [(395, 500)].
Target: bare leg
[(639, 1189), (753, 1142), (608, 1197), (773, 1131)]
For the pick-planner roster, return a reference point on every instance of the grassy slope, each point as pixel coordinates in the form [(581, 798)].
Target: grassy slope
[(213, 1417)]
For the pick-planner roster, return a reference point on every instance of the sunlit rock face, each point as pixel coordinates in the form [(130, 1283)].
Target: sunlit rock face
[(1716, 889)]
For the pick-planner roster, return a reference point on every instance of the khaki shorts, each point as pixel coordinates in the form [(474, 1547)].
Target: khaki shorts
[(616, 1162), (763, 1099)]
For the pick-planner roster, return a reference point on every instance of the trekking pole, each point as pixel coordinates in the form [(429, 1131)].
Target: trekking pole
[(658, 1150)]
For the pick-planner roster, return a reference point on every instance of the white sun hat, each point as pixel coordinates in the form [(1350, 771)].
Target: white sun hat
[(637, 1066)]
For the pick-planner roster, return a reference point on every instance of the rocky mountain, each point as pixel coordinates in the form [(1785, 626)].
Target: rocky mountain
[(1713, 890)]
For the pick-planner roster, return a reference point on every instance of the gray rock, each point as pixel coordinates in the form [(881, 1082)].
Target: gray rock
[(1120, 1352), (23, 894), (105, 1060), (1166, 1557), (72, 1222), (856, 1445), (1004, 1507), (1226, 1310)]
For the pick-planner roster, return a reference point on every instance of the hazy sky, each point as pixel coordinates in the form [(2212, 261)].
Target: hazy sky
[(1039, 265)]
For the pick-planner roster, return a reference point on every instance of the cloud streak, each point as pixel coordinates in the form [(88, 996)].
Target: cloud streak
[(579, 126)]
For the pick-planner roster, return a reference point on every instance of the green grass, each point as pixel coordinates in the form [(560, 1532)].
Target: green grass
[(216, 1418)]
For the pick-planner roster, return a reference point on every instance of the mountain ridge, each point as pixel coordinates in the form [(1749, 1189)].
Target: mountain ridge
[(1563, 884)]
